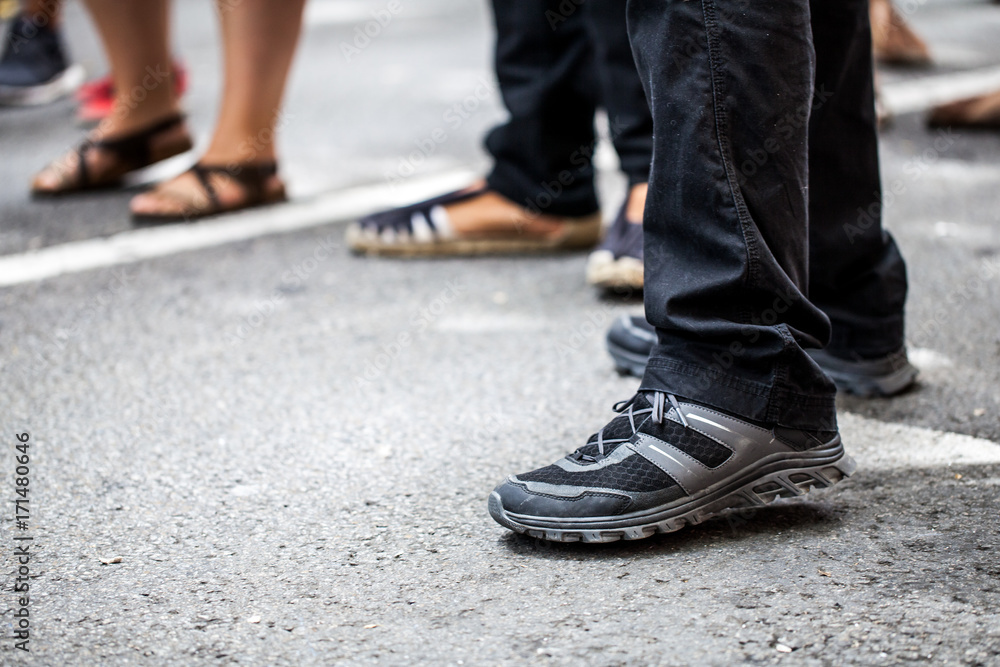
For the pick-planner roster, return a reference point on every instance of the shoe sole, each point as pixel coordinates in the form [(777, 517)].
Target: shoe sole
[(579, 234), (50, 91), (772, 481), (883, 386), (875, 383), (606, 272), (148, 220)]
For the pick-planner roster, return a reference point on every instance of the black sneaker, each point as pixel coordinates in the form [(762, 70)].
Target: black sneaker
[(660, 465), (617, 262), (34, 68), (631, 339)]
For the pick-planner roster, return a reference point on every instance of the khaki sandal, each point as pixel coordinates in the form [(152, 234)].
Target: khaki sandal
[(132, 151), (423, 229), (252, 178)]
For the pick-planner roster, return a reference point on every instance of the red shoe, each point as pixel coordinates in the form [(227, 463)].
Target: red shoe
[(94, 89), (97, 97)]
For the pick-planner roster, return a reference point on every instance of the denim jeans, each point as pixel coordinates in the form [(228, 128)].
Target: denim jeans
[(763, 232), (557, 61)]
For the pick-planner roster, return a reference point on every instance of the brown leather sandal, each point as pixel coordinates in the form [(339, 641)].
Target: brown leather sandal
[(132, 151), (253, 180)]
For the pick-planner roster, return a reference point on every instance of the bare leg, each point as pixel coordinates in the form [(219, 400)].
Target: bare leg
[(135, 38), (893, 40), (44, 12), (259, 40)]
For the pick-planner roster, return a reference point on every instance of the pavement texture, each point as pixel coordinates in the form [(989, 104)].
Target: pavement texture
[(274, 453)]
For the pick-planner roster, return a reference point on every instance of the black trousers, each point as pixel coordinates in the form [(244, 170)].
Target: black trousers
[(763, 231), (557, 61)]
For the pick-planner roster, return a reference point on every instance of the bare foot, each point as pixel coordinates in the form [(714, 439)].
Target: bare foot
[(982, 111), (185, 196), (491, 214), (105, 166)]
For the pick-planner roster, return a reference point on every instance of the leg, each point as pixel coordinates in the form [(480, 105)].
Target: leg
[(544, 62), (622, 95), (857, 275), (618, 263), (726, 219), (893, 40), (540, 194), (44, 12), (259, 40), (135, 38), (732, 411)]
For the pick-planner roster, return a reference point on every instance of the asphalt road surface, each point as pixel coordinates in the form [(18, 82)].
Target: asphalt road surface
[(254, 448)]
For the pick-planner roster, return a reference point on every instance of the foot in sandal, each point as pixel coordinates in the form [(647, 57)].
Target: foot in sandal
[(105, 158), (981, 112), (473, 221), (207, 190)]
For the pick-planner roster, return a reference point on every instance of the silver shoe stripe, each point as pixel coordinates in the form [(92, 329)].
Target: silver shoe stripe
[(707, 421), (693, 475)]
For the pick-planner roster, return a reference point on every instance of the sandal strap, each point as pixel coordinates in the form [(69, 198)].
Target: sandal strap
[(206, 184), (81, 165), (252, 177), (134, 148), (401, 218)]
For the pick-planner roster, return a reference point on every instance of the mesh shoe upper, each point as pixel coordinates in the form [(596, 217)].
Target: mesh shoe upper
[(633, 474), (656, 451)]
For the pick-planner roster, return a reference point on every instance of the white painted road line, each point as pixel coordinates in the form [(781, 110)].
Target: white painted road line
[(929, 91), (140, 244), (878, 445)]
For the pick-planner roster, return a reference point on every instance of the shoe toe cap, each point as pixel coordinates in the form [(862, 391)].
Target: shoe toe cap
[(516, 498)]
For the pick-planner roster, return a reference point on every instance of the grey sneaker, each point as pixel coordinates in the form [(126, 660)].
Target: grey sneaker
[(661, 464), (631, 338)]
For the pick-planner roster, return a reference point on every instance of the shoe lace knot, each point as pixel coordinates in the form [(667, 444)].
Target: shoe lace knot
[(658, 401)]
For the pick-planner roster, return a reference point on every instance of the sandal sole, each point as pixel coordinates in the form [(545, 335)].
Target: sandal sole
[(579, 234), (145, 219)]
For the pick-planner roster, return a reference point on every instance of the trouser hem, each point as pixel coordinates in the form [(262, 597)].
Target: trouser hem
[(555, 199), (764, 403)]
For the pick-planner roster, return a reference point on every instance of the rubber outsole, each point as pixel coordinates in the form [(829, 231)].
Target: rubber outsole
[(870, 387), (60, 86), (759, 491), (606, 272)]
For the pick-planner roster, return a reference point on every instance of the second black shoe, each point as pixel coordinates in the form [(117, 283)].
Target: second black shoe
[(661, 464), (631, 339)]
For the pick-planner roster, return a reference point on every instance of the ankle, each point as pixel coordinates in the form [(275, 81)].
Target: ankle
[(125, 120), (636, 202)]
